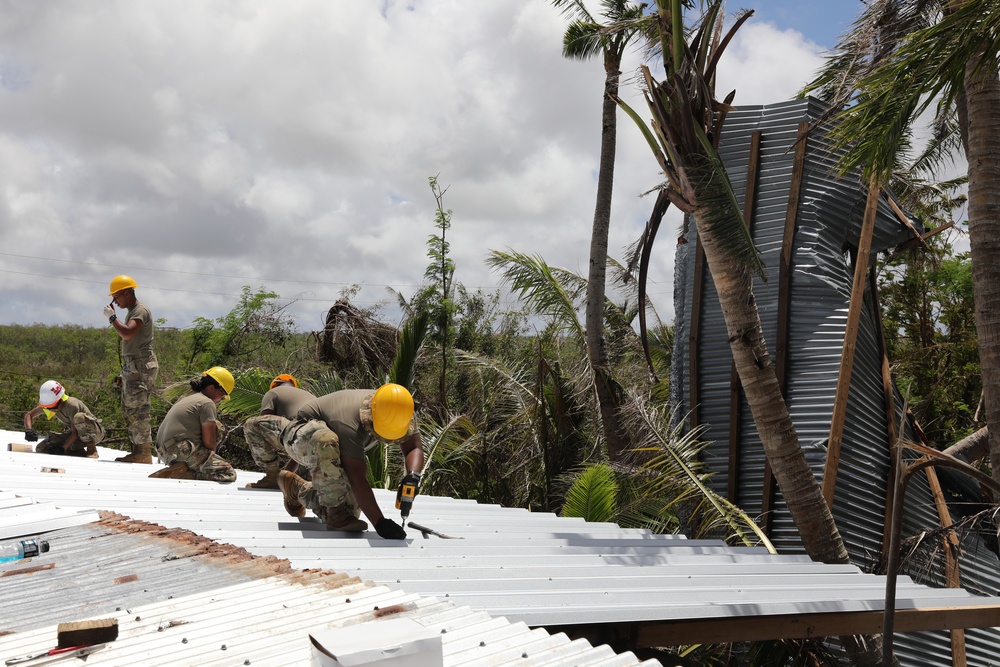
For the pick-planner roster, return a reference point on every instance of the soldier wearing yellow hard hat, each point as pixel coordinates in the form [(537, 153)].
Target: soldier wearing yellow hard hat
[(189, 433), (139, 365), (330, 435)]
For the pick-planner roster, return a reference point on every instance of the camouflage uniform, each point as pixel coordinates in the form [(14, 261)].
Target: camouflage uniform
[(327, 428), (139, 372), (263, 433), (74, 413), (263, 436), (312, 444), (178, 440)]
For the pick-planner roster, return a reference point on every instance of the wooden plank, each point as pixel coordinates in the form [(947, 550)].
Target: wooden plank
[(889, 397), (694, 386), (735, 388), (785, 270), (854, 311)]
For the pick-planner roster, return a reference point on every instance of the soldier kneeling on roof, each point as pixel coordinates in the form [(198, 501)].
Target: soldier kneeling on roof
[(85, 430)]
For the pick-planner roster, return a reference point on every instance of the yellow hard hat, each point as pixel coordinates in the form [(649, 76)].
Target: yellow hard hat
[(392, 411), (223, 377), (284, 378), (118, 283)]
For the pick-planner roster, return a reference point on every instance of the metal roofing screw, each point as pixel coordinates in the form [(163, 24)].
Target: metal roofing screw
[(247, 661), (482, 643), (223, 647), (138, 618), (524, 655), (184, 641)]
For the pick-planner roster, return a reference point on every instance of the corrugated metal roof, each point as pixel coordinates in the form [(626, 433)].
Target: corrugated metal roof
[(532, 569), (828, 223)]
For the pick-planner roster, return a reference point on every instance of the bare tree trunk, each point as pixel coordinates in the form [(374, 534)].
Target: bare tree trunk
[(796, 479), (597, 352), (982, 93), (972, 448)]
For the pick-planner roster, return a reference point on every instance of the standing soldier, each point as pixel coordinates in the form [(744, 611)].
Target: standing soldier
[(84, 430), (263, 433), (139, 366)]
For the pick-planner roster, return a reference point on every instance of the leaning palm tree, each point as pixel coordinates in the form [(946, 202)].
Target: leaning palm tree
[(586, 38), (686, 123), (899, 59)]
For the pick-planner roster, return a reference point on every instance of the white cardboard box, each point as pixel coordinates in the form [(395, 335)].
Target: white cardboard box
[(395, 642)]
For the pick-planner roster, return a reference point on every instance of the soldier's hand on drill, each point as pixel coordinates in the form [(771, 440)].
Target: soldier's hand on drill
[(389, 529), (31, 435)]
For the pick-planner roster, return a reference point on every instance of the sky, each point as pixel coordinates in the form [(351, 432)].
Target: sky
[(201, 147)]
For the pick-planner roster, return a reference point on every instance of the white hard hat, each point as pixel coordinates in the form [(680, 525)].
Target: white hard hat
[(50, 393)]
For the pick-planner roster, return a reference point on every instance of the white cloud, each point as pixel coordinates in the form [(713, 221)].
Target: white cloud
[(210, 145)]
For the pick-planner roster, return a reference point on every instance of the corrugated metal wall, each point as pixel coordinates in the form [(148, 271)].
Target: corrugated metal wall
[(828, 225)]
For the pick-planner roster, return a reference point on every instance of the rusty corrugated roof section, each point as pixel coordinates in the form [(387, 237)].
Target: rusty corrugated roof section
[(828, 223), (183, 599)]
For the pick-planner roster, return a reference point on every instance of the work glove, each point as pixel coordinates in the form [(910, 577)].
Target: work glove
[(31, 435), (109, 312), (389, 530)]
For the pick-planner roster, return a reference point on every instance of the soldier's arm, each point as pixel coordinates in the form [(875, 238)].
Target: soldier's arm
[(209, 435), (127, 330)]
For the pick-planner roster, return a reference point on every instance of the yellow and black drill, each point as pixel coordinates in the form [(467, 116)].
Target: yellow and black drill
[(405, 494)]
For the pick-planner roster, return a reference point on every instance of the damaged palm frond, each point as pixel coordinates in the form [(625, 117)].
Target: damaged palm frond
[(410, 341), (672, 474), (887, 91), (542, 287), (685, 126)]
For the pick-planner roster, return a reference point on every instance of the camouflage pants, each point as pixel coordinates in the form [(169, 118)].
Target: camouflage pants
[(263, 436), (89, 431), (202, 461), (138, 383), (313, 445)]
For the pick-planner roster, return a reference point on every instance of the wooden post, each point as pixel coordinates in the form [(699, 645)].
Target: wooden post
[(850, 344), (735, 387), (889, 396), (785, 270)]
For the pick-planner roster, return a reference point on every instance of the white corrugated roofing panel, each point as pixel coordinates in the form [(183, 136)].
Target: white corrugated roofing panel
[(532, 567)]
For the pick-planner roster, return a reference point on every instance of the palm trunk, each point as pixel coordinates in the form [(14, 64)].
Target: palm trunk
[(597, 275), (982, 98), (796, 479)]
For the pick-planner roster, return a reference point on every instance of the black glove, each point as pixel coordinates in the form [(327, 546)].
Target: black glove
[(31, 435), (389, 529)]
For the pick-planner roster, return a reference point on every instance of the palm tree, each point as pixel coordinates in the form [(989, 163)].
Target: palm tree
[(687, 120), (585, 38), (899, 59)]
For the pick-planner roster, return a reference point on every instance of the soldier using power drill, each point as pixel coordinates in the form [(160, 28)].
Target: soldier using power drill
[(263, 433), (330, 436)]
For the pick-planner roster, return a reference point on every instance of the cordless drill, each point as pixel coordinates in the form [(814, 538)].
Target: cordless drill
[(405, 494)]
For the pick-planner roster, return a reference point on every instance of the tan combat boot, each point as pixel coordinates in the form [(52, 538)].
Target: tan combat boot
[(92, 451), (177, 470), (341, 518), (140, 454), (268, 481), (290, 484)]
